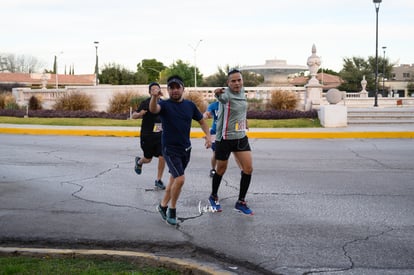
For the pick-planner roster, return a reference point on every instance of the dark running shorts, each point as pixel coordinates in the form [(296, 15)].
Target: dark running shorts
[(151, 146), (224, 147), (177, 160)]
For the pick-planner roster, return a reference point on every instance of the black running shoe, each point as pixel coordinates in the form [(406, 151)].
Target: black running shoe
[(159, 184)]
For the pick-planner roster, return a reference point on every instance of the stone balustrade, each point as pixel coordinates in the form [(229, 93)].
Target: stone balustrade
[(102, 95)]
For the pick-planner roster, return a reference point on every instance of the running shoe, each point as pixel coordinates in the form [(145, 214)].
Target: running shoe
[(159, 184), (162, 211), (215, 204), (138, 167), (242, 207), (171, 216), (212, 172)]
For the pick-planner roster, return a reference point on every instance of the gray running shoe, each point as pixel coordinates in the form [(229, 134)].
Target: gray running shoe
[(159, 184), (171, 217), (162, 211), (138, 167)]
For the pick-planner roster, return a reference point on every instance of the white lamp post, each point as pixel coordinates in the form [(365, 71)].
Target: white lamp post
[(195, 61), (96, 63)]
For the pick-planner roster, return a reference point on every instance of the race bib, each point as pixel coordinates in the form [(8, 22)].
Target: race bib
[(241, 125), (157, 127)]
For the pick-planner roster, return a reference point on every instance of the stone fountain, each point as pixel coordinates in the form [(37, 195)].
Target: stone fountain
[(276, 72)]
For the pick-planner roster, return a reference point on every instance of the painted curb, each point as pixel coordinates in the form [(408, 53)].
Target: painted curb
[(187, 267), (196, 134)]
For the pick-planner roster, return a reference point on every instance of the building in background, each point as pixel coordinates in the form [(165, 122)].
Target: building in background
[(44, 80)]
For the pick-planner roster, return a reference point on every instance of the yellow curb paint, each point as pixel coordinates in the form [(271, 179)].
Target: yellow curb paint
[(266, 135), (323, 135), (160, 261), (69, 132)]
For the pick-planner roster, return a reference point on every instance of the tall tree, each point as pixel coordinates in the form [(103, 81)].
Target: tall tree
[(356, 67), (218, 79), (152, 68), (115, 74), (353, 72), (384, 67), (328, 71), (55, 65), (184, 70), (20, 63)]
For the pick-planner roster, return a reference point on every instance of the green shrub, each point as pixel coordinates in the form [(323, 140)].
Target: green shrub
[(2, 100), (7, 101), (120, 103), (284, 100), (74, 101), (11, 106), (35, 103), (136, 101)]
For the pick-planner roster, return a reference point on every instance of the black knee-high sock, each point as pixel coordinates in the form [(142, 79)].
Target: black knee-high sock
[(216, 184), (244, 185)]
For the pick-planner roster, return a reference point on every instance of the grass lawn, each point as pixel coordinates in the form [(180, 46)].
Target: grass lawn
[(25, 265), (253, 123)]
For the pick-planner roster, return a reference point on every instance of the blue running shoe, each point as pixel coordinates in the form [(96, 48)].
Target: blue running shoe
[(138, 167), (215, 204), (162, 211), (241, 206), (159, 184), (171, 216)]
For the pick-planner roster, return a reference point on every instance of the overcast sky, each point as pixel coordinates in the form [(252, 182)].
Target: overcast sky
[(233, 33)]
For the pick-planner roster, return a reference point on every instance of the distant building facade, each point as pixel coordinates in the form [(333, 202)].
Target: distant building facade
[(404, 72), (45, 80), (400, 82)]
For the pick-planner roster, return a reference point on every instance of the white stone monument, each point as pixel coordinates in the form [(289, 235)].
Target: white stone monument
[(313, 88), (334, 115), (363, 93)]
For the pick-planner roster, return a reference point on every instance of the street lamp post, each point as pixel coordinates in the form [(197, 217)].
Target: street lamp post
[(96, 63), (383, 70), (377, 6), (195, 61), (56, 72)]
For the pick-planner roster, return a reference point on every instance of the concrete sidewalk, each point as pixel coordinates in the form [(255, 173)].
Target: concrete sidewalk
[(353, 131)]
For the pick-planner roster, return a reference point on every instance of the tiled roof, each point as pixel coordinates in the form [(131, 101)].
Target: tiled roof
[(36, 79), (329, 80)]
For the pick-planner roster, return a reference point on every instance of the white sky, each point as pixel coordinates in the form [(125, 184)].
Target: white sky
[(233, 32)]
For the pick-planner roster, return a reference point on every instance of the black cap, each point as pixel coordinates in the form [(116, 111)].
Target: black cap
[(233, 71), (153, 84), (175, 79)]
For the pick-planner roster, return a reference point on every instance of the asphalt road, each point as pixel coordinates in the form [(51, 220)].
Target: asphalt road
[(331, 206)]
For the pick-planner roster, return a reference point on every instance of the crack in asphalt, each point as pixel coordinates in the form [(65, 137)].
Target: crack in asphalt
[(188, 236), (226, 183), (76, 194), (375, 160), (347, 253)]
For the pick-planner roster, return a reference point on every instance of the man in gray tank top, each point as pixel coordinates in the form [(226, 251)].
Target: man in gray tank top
[(231, 137)]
